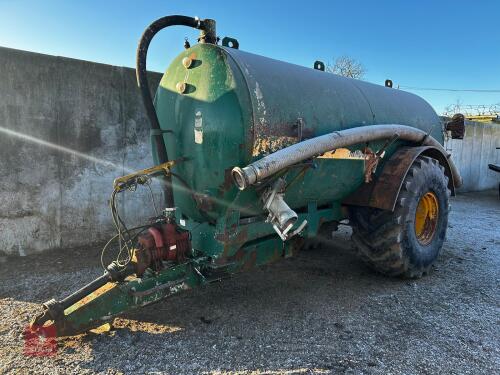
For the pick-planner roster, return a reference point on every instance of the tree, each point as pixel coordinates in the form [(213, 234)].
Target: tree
[(348, 67)]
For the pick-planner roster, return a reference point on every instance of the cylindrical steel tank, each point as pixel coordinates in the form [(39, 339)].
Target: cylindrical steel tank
[(221, 107)]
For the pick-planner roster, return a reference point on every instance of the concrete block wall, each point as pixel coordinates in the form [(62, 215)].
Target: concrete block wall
[(473, 154), (52, 198)]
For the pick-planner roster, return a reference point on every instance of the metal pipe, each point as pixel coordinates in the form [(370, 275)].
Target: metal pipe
[(114, 272), (54, 310), (207, 36), (288, 156), (84, 291)]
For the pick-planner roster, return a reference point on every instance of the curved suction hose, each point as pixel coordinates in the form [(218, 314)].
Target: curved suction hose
[(270, 164), (207, 35)]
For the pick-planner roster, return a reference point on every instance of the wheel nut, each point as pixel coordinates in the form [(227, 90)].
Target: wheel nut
[(187, 62)]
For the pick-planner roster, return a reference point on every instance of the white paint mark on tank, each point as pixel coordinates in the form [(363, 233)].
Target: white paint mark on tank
[(198, 127), (258, 95)]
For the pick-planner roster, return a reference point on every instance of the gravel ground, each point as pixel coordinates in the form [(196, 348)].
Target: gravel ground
[(319, 313)]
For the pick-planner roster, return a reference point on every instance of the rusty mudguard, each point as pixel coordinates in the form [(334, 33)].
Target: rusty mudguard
[(383, 191)]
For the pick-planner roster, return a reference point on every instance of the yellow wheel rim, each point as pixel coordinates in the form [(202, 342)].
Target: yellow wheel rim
[(426, 218)]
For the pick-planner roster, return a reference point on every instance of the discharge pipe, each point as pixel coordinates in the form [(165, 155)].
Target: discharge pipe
[(207, 35), (288, 156)]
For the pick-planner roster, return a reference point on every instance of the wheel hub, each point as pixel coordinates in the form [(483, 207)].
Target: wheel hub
[(426, 218)]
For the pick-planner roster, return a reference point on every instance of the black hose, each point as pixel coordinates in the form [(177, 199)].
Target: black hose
[(142, 82)]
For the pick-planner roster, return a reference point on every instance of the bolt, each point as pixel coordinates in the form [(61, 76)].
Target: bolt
[(181, 87), (187, 62)]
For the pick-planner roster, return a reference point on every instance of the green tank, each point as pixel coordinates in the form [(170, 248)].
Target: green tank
[(227, 108)]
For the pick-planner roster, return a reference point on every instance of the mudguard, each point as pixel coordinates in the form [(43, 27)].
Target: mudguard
[(382, 192)]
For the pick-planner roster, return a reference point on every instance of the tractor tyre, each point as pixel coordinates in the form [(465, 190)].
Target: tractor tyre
[(405, 242)]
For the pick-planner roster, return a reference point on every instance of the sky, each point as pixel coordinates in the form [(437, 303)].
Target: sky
[(424, 44)]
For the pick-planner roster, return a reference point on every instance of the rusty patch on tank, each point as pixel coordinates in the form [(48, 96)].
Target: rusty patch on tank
[(228, 180), (342, 153), (269, 144), (273, 137), (231, 241)]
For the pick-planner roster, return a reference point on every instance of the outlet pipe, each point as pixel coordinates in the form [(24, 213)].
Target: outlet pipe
[(299, 152)]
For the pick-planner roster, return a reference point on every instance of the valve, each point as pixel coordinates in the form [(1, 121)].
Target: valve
[(281, 216)]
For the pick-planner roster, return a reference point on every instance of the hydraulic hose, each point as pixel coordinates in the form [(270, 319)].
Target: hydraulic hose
[(207, 35), (288, 156)]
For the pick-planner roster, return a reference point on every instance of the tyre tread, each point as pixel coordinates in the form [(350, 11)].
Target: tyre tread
[(377, 234)]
